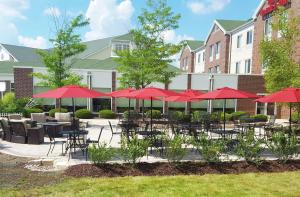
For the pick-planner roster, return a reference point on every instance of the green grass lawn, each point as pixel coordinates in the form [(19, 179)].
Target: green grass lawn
[(276, 184)]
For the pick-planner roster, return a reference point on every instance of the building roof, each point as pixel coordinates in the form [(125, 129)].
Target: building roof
[(229, 25), (194, 44), (23, 54), (92, 64)]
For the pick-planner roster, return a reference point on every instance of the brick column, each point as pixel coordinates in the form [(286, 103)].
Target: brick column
[(113, 88), (23, 82)]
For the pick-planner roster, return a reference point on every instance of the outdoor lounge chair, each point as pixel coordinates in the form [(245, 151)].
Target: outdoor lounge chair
[(6, 133), (20, 133)]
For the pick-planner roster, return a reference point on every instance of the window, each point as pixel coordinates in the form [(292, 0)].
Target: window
[(199, 57), (12, 87), (120, 47), (237, 67), (248, 66), (249, 37), (203, 56), (217, 69), (211, 51), (268, 28), (238, 41), (217, 49)]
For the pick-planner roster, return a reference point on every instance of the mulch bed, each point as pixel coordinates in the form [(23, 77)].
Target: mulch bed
[(185, 168)]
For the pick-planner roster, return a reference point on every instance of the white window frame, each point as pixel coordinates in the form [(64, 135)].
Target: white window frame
[(211, 53), (248, 65), (237, 67), (268, 28), (217, 49), (239, 41), (249, 39)]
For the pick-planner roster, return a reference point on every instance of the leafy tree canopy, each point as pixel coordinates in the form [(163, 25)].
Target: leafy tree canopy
[(150, 57)]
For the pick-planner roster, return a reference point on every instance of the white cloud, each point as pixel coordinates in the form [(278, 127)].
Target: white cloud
[(171, 37), (52, 11), (38, 42), (10, 11), (108, 18), (207, 6)]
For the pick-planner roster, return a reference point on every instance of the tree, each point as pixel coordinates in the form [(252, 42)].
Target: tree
[(67, 43), (150, 57), (278, 55), (282, 70)]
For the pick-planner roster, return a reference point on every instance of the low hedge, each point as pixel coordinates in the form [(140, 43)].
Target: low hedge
[(133, 114), (83, 114), (107, 114), (27, 111), (156, 114), (53, 111), (228, 117), (260, 118), (237, 115), (295, 117)]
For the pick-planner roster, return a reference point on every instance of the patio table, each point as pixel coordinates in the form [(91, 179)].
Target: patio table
[(52, 125), (72, 137)]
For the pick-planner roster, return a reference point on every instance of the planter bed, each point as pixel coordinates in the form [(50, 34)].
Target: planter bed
[(184, 168)]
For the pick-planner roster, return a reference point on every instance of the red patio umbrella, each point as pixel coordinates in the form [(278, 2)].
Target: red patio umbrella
[(287, 95), (70, 91), (152, 93), (226, 93)]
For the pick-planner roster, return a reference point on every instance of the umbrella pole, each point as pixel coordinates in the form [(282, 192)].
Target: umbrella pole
[(290, 129), (224, 119), (151, 116), (128, 110), (73, 103)]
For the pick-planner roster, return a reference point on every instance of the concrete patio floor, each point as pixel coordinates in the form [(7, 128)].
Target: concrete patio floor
[(58, 161)]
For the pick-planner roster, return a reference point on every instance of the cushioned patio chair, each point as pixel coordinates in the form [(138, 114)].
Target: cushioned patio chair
[(21, 133), (39, 117), (6, 133)]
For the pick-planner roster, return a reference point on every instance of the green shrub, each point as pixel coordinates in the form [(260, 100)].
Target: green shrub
[(27, 111), (228, 117), (295, 117), (107, 114), (260, 118), (134, 148), (249, 148), (283, 146), (133, 114), (83, 114), (215, 116), (177, 115), (53, 111), (156, 114), (211, 150), (237, 115), (101, 154), (175, 150)]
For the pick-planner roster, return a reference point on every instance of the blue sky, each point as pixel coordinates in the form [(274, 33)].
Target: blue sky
[(30, 22)]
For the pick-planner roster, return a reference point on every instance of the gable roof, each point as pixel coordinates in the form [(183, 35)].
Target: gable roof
[(261, 5), (229, 25), (93, 64), (194, 44), (23, 54)]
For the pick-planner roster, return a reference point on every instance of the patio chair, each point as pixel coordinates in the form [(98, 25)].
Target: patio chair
[(113, 132), (14, 117), (6, 132), (89, 141), (51, 133), (18, 132), (39, 117)]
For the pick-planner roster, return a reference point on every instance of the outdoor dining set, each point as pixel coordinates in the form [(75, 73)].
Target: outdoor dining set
[(66, 130)]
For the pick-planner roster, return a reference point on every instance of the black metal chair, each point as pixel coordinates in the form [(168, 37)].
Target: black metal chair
[(113, 132), (89, 141), (51, 133)]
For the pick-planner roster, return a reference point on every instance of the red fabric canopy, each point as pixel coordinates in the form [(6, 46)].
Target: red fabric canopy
[(227, 93), (152, 92), (192, 93), (186, 96), (287, 95), (70, 91), (124, 93)]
